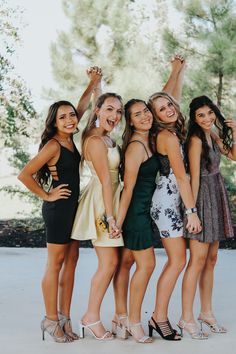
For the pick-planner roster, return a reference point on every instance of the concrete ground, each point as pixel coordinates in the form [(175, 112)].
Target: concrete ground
[(21, 308)]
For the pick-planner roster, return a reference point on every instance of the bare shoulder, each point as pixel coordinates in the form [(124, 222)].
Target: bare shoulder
[(195, 141), (135, 150), (52, 147)]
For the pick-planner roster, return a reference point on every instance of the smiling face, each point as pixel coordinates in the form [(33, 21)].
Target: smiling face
[(66, 119), (205, 118), (109, 113), (140, 117), (165, 110)]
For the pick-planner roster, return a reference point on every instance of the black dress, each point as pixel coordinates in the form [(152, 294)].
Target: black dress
[(59, 215)]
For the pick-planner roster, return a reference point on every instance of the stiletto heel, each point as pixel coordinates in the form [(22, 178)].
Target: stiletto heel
[(181, 331), (214, 326), (51, 327), (81, 330), (107, 335), (192, 329), (150, 328), (164, 329), (66, 326)]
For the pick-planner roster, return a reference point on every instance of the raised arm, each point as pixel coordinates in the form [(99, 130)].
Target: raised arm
[(93, 88), (174, 83), (134, 156)]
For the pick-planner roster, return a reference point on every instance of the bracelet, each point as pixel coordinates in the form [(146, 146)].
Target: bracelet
[(109, 217), (190, 211)]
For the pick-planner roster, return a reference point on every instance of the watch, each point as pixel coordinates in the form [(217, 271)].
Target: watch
[(190, 211)]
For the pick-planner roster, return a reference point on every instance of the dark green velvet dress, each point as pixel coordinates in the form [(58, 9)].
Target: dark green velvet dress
[(137, 227)]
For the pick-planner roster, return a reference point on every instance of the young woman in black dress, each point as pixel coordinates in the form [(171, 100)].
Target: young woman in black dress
[(58, 161)]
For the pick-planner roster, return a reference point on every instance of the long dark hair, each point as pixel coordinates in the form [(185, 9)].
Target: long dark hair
[(195, 130), (93, 117), (43, 175), (129, 130), (179, 127)]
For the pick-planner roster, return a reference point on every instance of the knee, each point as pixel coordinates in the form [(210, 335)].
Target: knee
[(211, 261), (149, 267), (180, 265), (109, 266), (198, 262), (56, 263), (127, 263)]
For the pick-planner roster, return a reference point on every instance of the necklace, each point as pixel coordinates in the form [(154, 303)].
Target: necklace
[(142, 133)]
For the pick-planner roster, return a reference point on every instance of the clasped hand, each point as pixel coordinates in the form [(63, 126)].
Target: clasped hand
[(114, 230)]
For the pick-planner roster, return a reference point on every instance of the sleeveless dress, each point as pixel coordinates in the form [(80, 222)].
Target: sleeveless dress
[(166, 209), (137, 226), (212, 202), (59, 215), (88, 223)]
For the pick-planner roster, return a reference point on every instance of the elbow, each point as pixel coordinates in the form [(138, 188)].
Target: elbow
[(182, 180), (20, 176)]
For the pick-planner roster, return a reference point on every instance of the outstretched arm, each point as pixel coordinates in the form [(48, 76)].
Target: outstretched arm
[(174, 83), (94, 87)]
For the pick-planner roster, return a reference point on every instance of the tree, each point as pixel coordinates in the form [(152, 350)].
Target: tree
[(209, 37), (16, 108), (113, 35)]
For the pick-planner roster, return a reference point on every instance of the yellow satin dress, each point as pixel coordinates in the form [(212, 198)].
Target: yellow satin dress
[(88, 223)]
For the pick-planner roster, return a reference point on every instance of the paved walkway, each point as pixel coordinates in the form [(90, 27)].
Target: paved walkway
[(21, 308)]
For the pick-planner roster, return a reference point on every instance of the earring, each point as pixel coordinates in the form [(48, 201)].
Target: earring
[(97, 123)]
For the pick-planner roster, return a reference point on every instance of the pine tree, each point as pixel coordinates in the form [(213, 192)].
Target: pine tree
[(208, 38)]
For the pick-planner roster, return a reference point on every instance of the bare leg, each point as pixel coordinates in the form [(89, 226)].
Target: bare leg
[(176, 253), (198, 255), (107, 263), (66, 283), (145, 264), (206, 281), (56, 256), (121, 281)]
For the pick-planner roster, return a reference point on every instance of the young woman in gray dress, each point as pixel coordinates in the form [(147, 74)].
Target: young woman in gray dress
[(204, 151)]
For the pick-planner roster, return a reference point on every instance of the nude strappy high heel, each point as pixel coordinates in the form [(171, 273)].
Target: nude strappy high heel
[(65, 322), (192, 329), (144, 339), (210, 321), (51, 328), (107, 335)]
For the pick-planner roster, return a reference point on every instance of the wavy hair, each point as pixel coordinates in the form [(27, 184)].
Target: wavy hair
[(93, 117), (195, 130), (43, 175), (179, 127), (129, 130)]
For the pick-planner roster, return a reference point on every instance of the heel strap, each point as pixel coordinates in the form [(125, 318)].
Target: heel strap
[(91, 324)]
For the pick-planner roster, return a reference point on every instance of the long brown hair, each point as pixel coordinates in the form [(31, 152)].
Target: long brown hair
[(43, 175), (179, 127), (194, 129), (129, 130), (93, 117)]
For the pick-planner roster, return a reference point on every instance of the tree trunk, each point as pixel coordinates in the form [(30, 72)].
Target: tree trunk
[(220, 89)]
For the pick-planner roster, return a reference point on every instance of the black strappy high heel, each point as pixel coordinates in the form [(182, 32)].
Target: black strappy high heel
[(164, 329)]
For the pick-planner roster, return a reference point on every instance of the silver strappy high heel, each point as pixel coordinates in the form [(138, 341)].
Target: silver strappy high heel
[(66, 326), (210, 321), (51, 327)]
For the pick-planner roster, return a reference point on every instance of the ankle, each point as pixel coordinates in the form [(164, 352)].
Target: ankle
[(51, 318)]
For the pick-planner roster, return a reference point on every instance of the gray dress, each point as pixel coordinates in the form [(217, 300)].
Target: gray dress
[(212, 202)]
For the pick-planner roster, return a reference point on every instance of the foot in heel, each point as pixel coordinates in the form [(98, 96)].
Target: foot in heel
[(119, 326), (137, 332), (66, 326), (209, 320), (54, 330), (96, 329), (163, 328), (192, 329)]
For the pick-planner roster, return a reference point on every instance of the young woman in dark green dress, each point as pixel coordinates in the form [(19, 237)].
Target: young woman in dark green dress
[(140, 169)]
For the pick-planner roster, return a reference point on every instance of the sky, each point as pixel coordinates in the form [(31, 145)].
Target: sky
[(43, 19)]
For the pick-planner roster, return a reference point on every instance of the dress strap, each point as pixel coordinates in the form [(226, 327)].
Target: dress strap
[(140, 143)]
